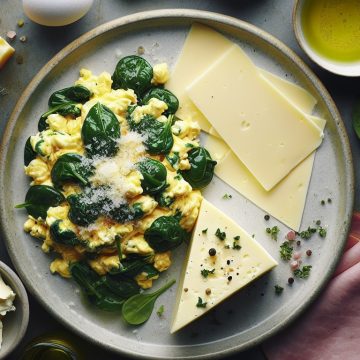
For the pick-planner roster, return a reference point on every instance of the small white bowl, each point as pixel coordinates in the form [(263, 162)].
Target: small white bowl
[(15, 322), (351, 69)]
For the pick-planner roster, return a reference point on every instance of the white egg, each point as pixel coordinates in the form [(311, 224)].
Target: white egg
[(56, 12)]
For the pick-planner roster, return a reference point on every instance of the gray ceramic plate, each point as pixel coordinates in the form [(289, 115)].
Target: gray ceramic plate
[(256, 312)]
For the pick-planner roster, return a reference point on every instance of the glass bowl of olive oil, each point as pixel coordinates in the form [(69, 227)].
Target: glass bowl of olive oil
[(329, 32)]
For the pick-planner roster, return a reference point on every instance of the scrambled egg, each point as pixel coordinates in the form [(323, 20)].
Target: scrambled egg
[(64, 135)]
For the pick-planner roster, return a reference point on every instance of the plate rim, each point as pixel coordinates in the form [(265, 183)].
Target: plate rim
[(192, 15)]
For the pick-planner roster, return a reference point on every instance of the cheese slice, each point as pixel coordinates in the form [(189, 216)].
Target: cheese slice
[(6, 51), (285, 202), (266, 132), (234, 268), (203, 46)]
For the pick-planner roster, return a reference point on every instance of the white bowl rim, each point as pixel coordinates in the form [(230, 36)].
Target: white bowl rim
[(350, 69), (13, 280)]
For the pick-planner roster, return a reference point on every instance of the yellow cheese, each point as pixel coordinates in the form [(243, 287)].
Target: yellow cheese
[(203, 46), (234, 268), (6, 51), (265, 131), (285, 201)]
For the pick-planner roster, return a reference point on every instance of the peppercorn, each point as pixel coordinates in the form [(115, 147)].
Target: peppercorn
[(298, 243), (290, 280), (186, 289), (267, 217), (229, 278), (228, 262), (208, 291), (308, 252), (212, 252)]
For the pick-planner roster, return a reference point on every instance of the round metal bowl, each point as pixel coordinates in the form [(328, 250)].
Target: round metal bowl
[(256, 312)]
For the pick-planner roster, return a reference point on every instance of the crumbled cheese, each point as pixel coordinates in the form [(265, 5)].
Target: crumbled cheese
[(119, 174), (7, 297)]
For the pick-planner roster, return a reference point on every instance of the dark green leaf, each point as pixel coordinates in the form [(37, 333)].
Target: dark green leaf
[(63, 236), (164, 95), (154, 176), (29, 153), (202, 168), (39, 198), (77, 94), (103, 291), (70, 167), (132, 72), (173, 159), (165, 233), (137, 309), (62, 109), (86, 207), (356, 119), (100, 131)]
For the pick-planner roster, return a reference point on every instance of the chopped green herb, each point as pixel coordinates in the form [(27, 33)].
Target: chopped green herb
[(205, 273), (227, 246), (274, 231), (236, 246), (286, 251), (201, 303), (322, 202), (322, 232), (306, 234), (204, 231), (303, 273), (318, 222), (253, 236), (189, 145), (237, 237), (178, 177), (220, 234), (160, 310), (278, 289), (227, 196)]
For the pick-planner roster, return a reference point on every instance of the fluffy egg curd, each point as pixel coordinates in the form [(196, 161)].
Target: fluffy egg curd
[(116, 180)]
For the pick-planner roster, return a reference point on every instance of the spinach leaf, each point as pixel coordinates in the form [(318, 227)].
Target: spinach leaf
[(138, 308), (165, 233), (70, 167), (159, 138), (102, 291), (29, 153), (39, 198), (133, 72), (356, 120), (62, 109), (77, 94), (131, 265), (61, 235), (100, 131), (164, 95), (174, 159), (154, 176), (86, 207), (202, 168), (122, 214)]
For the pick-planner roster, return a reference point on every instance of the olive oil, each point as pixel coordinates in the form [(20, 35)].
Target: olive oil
[(332, 28)]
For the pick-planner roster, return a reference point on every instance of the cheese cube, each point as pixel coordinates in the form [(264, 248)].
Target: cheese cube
[(6, 51)]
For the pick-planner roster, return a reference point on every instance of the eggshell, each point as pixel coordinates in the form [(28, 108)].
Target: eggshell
[(56, 12)]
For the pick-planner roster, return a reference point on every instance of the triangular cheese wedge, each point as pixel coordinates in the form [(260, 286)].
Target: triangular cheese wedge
[(238, 261)]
